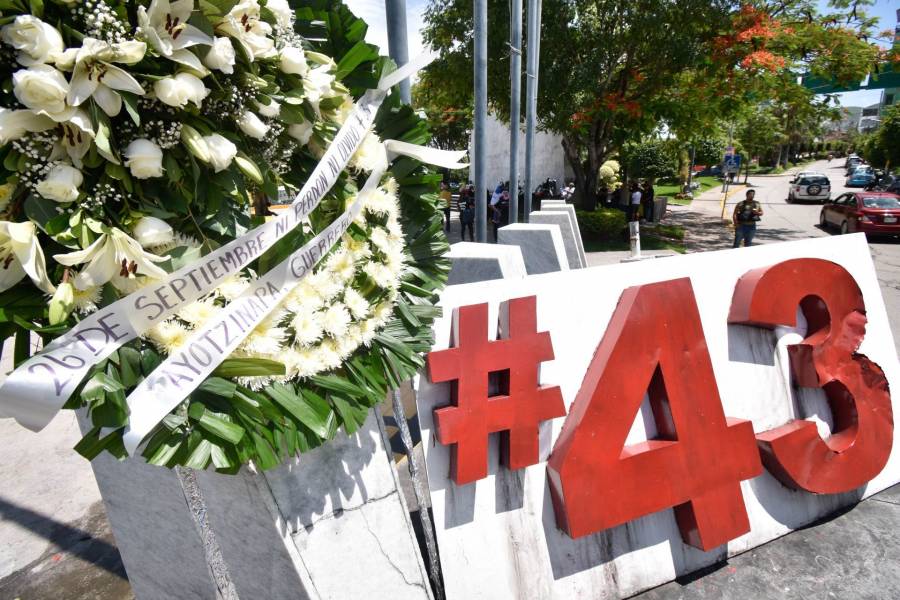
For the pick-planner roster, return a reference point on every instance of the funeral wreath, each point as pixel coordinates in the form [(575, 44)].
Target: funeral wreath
[(138, 142)]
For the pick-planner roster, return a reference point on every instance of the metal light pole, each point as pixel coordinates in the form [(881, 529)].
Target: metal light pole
[(479, 141), (534, 51), (515, 97), (398, 47)]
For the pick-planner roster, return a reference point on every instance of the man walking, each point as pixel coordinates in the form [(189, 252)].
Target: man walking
[(745, 216)]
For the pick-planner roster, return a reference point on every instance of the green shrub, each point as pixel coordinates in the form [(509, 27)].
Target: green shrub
[(601, 224)]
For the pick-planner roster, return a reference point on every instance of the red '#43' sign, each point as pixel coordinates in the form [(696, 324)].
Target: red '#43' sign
[(654, 345)]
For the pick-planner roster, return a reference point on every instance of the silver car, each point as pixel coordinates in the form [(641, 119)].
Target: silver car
[(815, 188)]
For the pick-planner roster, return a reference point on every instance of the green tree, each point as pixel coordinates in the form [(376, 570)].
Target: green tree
[(449, 118), (889, 136), (652, 159)]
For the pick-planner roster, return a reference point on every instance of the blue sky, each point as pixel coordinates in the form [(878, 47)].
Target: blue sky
[(372, 11)]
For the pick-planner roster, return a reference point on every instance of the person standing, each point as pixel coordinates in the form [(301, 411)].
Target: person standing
[(634, 207), (647, 196), (496, 217), (446, 199), (746, 214), (467, 218)]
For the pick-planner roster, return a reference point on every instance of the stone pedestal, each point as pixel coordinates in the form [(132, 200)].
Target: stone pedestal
[(329, 524), (570, 210), (567, 228), (473, 262), (541, 246)]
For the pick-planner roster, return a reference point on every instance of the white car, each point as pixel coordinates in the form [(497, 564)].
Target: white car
[(814, 187), (803, 174)]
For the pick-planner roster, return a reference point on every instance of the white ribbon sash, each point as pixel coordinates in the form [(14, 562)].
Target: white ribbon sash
[(35, 392)]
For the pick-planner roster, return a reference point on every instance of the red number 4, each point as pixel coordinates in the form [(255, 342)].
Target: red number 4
[(654, 344)]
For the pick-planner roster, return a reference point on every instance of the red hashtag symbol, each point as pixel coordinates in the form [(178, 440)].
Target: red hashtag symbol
[(474, 415)]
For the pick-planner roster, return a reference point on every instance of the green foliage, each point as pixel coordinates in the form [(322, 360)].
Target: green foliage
[(653, 158), (604, 224), (709, 151)]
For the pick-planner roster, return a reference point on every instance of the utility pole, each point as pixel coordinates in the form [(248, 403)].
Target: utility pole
[(534, 51), (479, 141), (515, 97), (398, 47)]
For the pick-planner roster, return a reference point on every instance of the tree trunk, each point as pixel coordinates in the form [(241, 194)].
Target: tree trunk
[(585, 176)]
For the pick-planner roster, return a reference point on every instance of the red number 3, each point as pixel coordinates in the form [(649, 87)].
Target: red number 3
[(856, 387)]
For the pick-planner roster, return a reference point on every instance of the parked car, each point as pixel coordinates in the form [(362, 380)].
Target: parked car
[(852, 158), (869, 212), (816, 188), (860, 177), (854, 166), (803, 174)]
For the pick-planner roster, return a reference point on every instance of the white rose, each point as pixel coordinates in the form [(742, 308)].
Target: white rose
[(61, 183), (301, 132), (221, 56), (271, 110), (144, 158), (179, 90), (293, 61), (221, 151), (252, 125), (150, 232), (43, 89), (282, 11), (36, 41)]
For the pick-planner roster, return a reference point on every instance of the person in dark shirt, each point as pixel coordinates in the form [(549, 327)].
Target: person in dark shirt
[(745, 216), (467, 218)]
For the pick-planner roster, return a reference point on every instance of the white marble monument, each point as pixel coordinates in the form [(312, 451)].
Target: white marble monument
[(472, 261), (567, 228), (541, 245)]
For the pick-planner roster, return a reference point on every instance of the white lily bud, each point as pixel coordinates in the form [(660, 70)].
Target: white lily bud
[(221, 151), (293, 61)]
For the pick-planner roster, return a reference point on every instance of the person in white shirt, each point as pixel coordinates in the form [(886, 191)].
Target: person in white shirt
[(634, 206)]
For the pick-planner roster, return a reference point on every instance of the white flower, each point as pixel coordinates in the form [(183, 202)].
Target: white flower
[(36, 41), (329, 356), (384, 311), (198, 313), (113, 253), (301, 132), (370, 155), (356, 304), (232, 287), (221, 151), (86, 301), (144, 159), (43, 89), (336, 320), (307, 327), (96, 76), (343, 112), (16, 123), (21, 255), (6, 193), (169, 336), (284, 16), (381, 203), (265, 340), (165, 26), (367, 330), (243, 24), (304, 299), (379, 237), (252, 125), (150, 232), (177, 91), (302, 363), (341, 264), (325, 285), (271, 110), (317, 84), (221, 56), (293, 61), (61, 183), (380, 274)]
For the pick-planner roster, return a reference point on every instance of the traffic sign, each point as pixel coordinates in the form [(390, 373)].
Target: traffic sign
[(732, 163)]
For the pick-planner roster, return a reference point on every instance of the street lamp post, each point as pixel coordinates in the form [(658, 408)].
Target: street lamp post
[(479, 141), (534, 50), (515, 97), (398, 47)]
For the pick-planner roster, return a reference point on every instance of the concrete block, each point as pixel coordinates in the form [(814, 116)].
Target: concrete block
[(289, 533), (471, 262), (541, 246), (567, 229), (570, 210)]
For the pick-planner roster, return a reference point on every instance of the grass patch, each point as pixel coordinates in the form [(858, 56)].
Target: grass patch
[(653, 237), (671, 189)]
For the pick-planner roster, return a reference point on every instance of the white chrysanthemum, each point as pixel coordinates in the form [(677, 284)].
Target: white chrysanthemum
[(232, 287), (169, 336), (381, 203), (383, 311), (380, 274), (325, 284), (179, 240), (341, 264), (356, 304), (343, 112), (304, 298), (336, 320), (379, 237), (391, 187), (265, 341), (395, 259), (346, 344), (367, 331), (199, 312), (86, 300), (303, 362), (370, 155), (307, 327), (358, 248), (328, 355)]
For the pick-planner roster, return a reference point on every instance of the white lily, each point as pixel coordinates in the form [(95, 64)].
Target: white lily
[(96, 76), (243, 24), (16, 123), (165, 26), (113, 254), (21, 255)]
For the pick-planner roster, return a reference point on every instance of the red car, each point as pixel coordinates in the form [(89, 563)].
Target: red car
[(869, 212)]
